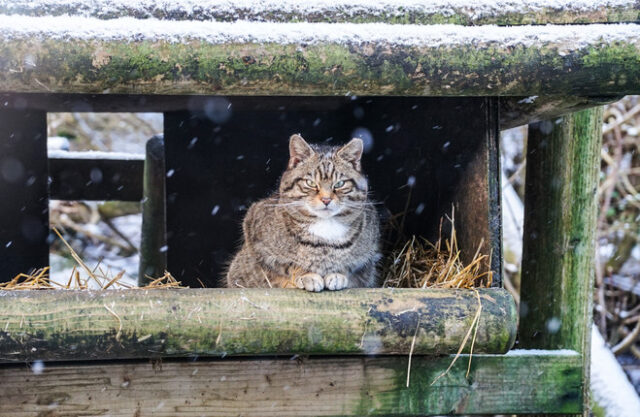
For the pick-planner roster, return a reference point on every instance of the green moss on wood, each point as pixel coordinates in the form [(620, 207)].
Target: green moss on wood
[(336, 386), (472, 394), (563, 165), (196, 67), (90, 325)]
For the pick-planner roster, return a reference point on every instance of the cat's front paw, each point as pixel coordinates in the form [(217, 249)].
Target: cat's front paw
[(310, 282), (336, 282)]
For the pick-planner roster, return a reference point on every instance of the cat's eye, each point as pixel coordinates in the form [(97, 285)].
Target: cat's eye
[(338, 184), (310, 183)]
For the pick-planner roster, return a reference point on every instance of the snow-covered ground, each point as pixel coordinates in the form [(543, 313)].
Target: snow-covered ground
[(104, 135)]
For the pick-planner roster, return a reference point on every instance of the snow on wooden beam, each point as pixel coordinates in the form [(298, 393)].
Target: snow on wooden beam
[(89, 55), (461, 12), (81, 325)]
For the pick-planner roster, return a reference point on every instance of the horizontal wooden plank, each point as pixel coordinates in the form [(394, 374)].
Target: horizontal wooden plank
[(88, 55), (326, 386), (95, 179), (390, 11), (514, 111), (79, 325)]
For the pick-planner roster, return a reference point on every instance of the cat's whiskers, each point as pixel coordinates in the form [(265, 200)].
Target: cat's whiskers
[(353, 205), (289, 204)]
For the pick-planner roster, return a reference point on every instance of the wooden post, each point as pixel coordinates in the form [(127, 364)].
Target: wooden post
[(24, 205), (153, 245), (559, 234)]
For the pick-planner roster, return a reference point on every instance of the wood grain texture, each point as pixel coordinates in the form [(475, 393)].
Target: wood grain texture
[(478, 216), (563, 164), (297, 387), (81, 325)]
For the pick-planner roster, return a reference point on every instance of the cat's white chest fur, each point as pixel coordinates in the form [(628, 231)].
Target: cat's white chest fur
[(329, 229)]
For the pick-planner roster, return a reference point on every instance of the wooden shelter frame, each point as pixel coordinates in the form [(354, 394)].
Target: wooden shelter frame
[(551, 66)]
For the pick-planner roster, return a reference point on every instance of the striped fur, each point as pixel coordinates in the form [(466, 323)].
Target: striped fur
[(319, 231)]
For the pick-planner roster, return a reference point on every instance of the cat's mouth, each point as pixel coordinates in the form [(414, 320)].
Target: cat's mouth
[(324, 212)]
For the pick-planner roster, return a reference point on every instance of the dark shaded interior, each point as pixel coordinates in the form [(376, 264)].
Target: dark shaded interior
[(421, 155)]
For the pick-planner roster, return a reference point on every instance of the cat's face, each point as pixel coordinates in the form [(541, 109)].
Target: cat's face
[(324, 181)]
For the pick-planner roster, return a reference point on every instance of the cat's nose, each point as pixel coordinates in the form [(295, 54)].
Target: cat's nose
[(326, 200)]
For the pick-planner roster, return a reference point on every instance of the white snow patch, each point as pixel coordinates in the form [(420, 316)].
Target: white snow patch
[(110, 261), (281, 9), (541, 352), (58, 154), (528, 100), (57, 143), (433, 36), (512, 219), (610, 387)]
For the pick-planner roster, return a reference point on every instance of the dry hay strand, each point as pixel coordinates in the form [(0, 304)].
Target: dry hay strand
[(422, 264), (165, 281), (40, 280), (473, 328)]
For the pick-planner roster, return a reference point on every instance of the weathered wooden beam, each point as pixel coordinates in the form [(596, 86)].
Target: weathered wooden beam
[(478, 215), (519, 111), (391, 11), (83, 176), (514, 111), (327, 386), (563, 164), (79, 325), (24, 206), (42, 54)]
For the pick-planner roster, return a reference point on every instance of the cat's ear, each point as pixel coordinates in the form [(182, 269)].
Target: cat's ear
[(299, 151), (352, 152)]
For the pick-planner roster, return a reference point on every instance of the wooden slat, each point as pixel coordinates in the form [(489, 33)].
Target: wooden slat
[(24, 206), (96, 179), (514, 111), (326, 386), (78, 325)]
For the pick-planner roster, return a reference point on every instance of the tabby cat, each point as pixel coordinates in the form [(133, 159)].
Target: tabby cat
[(319, 231)]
